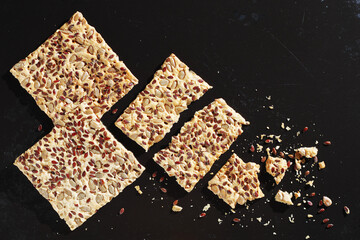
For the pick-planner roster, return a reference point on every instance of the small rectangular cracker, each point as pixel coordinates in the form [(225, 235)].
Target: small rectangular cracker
[(72, 66), (79, 167), (237, 182), (157, 108), (200, 143)]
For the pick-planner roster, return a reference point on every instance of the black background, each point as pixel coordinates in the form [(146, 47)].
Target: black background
[(304, 54)]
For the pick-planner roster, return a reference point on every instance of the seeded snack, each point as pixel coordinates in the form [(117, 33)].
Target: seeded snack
[(237, 182), (79, 167), (276, 167), (200, 143), (284, 197), (152, 114), (307, 152), (72, 66)]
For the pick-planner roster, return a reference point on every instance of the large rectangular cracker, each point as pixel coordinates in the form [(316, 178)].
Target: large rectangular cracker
[(79, 167), (72, 66), (157, 108), (237, 182), (201, 141)]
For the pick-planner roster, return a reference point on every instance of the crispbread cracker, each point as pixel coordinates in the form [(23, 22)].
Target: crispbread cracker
[(200, 143), (237, 182), (72, 66), (276, 167), (155, 110), (79, 167)]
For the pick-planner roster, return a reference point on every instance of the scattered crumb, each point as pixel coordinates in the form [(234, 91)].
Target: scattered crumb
[(307, 237), (176, 208), (297, 194), (220, 221), (322, 165), (259, 219), (206, 207), (291, 218), (268, 97), (137, 187), (259, 147), (308, 152), (287, 128), (284, 197), (309, 216), (267, 223), (310, 183), (282, 125), (271, 107)]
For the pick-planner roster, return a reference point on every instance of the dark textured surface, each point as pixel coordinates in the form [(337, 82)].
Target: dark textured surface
[(305, 54)]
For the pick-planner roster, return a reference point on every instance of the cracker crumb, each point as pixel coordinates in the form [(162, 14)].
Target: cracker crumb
[(307, 237), (310, 183), (282, 125), (297, 194), (309, 216), (176, 208), (259, 147), (219, 221), (271, 107), (259, 219), (268, 97), (284, 197), (137, 187), (206, 207), (267, 223), (322, 165), (291, 218), (287, 128)]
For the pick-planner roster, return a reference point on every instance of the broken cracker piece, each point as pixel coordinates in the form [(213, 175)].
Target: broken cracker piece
[(307, 152), (284, 197), (157, 108), (200, 143), (72, 66), (75, 170), (276, 167), (237, 182)]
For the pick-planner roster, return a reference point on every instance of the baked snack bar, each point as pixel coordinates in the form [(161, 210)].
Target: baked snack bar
[(237, 182), (79, 167), (200, 143), (72, 66), (276, 167), (152, 114)]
